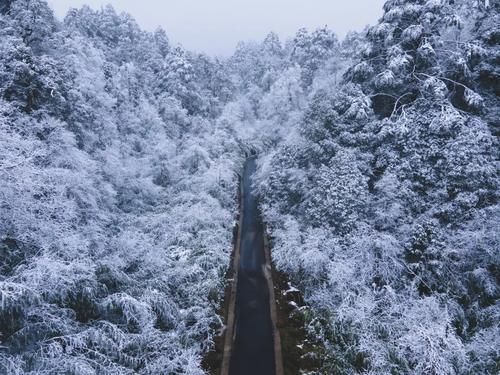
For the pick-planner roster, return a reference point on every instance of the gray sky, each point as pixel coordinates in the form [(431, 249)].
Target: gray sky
[(215, 26)]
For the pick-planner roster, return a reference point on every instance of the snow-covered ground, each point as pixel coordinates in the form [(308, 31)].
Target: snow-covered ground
[(378, 177)]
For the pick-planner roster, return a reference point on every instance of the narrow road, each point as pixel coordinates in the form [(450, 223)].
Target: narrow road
[(253, 350)]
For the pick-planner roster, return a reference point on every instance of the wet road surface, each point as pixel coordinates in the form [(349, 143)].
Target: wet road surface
[(253, 351)]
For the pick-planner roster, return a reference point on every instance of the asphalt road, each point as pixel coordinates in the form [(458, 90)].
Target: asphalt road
[(253, 350)]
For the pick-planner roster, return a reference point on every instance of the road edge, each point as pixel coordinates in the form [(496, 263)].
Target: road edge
[(278, 356), (231, 318)]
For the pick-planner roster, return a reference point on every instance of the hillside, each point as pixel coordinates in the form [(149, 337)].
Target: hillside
[(377, 176)]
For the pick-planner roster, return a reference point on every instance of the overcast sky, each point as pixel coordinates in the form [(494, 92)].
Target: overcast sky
[(215, 26)]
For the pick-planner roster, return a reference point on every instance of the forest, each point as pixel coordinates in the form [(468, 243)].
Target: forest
[(378, 179)]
